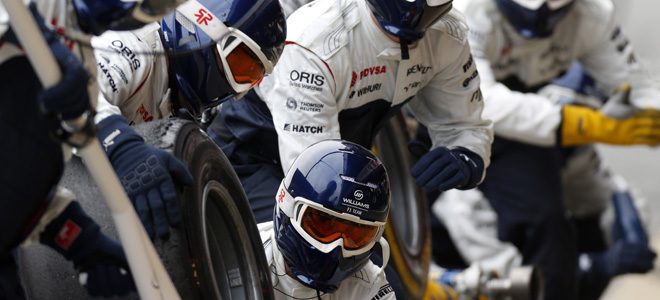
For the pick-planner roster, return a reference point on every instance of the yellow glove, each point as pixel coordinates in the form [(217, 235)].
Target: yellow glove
[(583, 125)]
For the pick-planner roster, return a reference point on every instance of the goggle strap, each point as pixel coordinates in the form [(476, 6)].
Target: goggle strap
[(386, 253), (204, 19)]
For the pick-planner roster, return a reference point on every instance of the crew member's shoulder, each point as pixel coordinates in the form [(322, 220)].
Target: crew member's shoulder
[(595, 11), (367, 283), (322, 26), (452, 24), (369, 276), (480, 15)]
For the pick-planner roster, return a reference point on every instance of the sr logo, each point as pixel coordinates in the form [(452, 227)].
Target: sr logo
[(203, 17)]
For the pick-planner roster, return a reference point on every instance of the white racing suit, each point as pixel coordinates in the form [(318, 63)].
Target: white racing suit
[(289, 6), (367, 283), (339, 76), (529, 173), (131, 70)]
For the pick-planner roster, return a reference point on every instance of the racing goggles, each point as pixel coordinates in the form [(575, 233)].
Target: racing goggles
[(242, 60), (240, 57), (326, 229)]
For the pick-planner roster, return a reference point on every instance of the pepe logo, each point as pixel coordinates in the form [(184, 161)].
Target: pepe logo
[(358, 194)]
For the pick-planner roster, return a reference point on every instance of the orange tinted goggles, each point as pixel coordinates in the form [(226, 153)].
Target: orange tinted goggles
[(245, 65), (326, 229)]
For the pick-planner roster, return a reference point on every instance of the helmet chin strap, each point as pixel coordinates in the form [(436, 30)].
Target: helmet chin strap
[(386, 253), (404, 49)]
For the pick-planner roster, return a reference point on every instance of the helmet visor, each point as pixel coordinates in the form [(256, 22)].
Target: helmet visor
[(245, 66), (242, 61), (327, 228)]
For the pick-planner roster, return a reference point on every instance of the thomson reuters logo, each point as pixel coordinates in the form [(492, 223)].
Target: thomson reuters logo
[(358, 194)]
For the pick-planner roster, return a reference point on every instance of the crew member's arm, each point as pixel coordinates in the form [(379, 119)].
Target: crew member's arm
[(122, 67), (524, 117), (450, 106), (147, 173), (608, 57), (535, 119), (300, 94)]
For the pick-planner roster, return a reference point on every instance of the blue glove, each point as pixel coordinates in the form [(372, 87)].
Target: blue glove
[(622, 258), (146, 173), (76, 236), (444, 169), (68, 99)]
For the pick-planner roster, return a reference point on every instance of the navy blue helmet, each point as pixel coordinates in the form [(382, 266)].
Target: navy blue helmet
[(408, 19), (220, 49), (331, 210), (98, 16), (535, 18)]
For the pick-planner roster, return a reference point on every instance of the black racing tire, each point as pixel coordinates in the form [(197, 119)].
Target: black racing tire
[(408, 228), (216, 253)]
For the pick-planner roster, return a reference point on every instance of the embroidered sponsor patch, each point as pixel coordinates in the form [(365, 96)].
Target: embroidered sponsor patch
[(384, 290), (67, 235), (303, 128)]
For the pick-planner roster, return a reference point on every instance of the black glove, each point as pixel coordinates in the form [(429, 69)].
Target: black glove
[(99, 260), (444, 169), (146, 173)]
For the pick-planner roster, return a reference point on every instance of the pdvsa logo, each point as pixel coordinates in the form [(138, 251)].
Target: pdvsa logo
[(373, 71), (353, 79)]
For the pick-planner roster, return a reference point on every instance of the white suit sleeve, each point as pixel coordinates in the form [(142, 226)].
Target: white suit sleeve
[(300, 96), (122, 66), (450, 106), (525, 117), (610, 59)]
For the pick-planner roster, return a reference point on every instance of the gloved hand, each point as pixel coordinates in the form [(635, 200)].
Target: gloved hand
[(68, 99), (617, 122), (99, 260), (582, 125), (623, 258), (146, 173), (444, 169)]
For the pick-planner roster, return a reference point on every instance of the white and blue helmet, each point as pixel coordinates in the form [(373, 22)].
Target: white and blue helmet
[(331, 211), (535, 18)]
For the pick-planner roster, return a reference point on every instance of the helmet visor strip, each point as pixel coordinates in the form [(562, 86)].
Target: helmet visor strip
[(326, 229)]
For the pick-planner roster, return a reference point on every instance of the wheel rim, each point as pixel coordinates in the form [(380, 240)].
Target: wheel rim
[(227, 247), (404, 211)]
